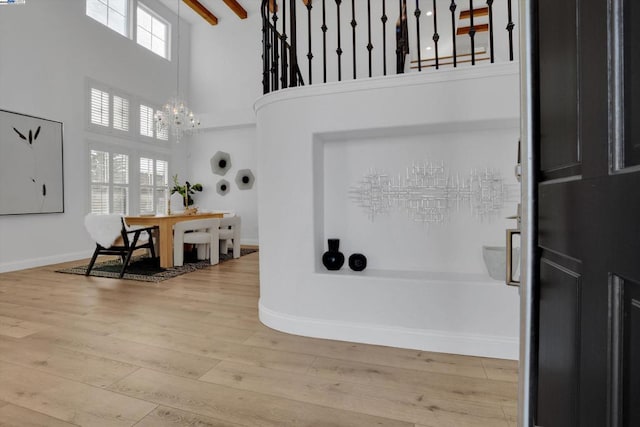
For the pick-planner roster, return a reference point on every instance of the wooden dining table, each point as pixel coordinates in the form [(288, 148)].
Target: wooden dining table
[(165, 225)]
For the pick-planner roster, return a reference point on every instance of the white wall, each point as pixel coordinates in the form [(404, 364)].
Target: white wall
[(240, 143), (225, 81), (48, 49), (407, 306)]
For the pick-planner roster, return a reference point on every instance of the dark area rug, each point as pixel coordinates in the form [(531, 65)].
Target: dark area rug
[(148, 269)]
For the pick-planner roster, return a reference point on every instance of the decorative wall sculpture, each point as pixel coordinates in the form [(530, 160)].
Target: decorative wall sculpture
[(222, 187), (245, 179), (429, 194), (220, 163), (31, 169)]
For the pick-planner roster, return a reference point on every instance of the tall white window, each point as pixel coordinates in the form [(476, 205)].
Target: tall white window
[(152, 31), (154, 185), (109, 182), (112, 13)]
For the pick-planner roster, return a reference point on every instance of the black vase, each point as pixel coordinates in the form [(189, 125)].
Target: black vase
[(333, 259), (357, 262)]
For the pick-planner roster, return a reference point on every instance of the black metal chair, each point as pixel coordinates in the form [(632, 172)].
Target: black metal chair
[(129, 240)]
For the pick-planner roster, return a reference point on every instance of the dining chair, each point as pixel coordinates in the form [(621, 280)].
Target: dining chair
[(200, 232), (229, 235), (114, 237)]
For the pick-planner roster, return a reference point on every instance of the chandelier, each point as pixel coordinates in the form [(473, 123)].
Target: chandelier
[(175, 117)]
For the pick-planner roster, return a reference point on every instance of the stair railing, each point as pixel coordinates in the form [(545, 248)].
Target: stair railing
[(469, 33)]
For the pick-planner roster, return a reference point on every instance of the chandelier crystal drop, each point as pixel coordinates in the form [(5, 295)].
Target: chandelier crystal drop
[(175, 117)]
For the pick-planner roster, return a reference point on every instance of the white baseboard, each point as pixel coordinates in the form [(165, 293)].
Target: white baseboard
[(250, 242), (418, 339), (39, 262)]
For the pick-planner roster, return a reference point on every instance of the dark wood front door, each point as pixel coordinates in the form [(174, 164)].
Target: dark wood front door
[(588, 295)]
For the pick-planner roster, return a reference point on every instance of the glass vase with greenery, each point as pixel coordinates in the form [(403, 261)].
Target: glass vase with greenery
[(186, 190)]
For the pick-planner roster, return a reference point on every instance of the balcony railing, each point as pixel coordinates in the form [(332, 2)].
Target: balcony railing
[(307, 41)]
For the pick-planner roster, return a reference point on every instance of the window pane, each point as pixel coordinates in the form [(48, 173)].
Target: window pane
[(161, 200), (159, 29), (120, 200), (112, 13), (120, 113), (99, 166), (119, 6), (144, 38), (158, 46), (146, 200), (99, 107), (120, 169), (97, 10), (151, 33), (118, 22), (144, 19), (146, 171), (100, 199), (146, 121), (162, 174)]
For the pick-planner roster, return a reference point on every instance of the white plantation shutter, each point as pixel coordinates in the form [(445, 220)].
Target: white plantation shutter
[(162, 182), (120, 174), (146, 121), (99, 182), (154, 185), (146, 185), (99, 107), (120, 113)]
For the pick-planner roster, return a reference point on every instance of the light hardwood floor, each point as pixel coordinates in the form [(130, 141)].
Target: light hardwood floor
[(190, 351)]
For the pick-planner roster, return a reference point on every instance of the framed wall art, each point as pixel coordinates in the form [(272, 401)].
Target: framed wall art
[(31, 167)]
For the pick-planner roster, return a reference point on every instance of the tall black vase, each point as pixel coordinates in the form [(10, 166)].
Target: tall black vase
[(333, 259)]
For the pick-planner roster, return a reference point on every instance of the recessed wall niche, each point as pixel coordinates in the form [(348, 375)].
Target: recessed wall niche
[(394, 241)]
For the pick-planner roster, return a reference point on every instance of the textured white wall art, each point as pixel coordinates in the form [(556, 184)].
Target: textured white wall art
[(429, 193)]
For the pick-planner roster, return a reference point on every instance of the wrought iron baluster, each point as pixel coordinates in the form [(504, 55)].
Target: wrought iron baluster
[(324, 40), (276, 56), (510, 26), (283, 39), (293, 45), (354, 23), (310, 53), (472, 33), (369, 44), (339, 49), (436, 36), (417, 14), (384, 19), (452, 8), (490, 5), (265, 50)]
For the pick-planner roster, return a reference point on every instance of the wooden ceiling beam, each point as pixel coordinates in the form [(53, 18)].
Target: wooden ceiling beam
[(235, 6), (202, 11)]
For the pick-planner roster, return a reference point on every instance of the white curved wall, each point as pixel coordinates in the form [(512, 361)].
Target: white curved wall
[(456, 308)]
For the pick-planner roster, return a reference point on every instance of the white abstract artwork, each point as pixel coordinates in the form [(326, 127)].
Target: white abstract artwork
[(31, 168)]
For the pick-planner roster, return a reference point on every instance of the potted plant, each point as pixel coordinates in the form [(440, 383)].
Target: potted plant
[(186, 190)]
